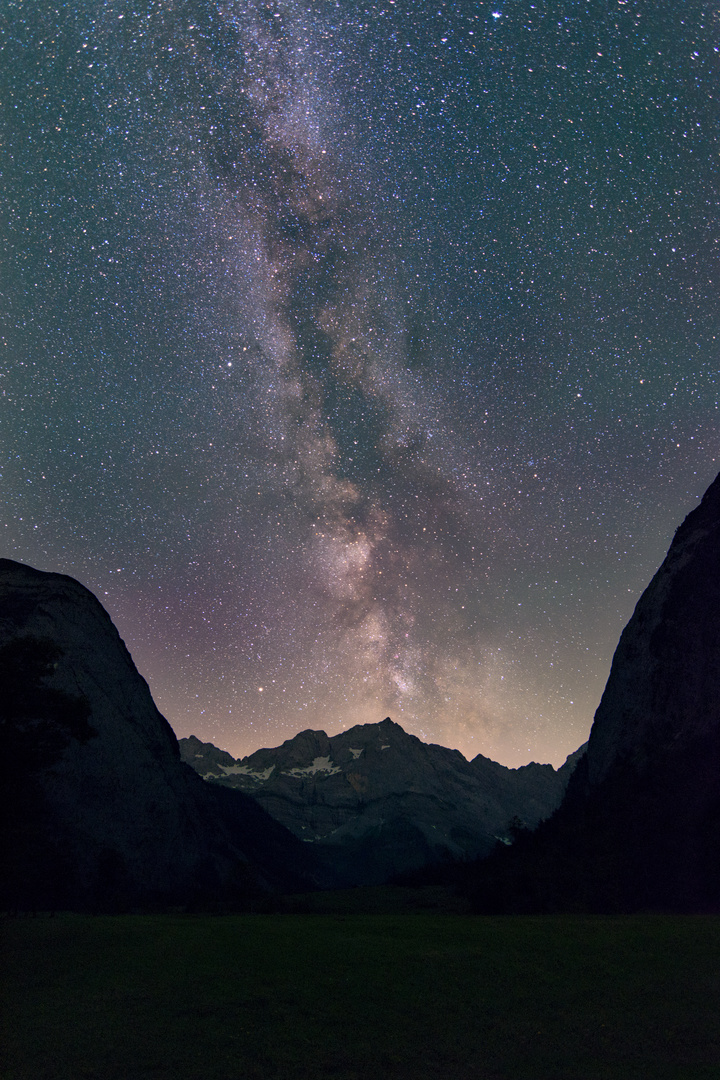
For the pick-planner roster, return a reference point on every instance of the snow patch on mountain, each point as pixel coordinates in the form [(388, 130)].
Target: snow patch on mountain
[(319, 765)]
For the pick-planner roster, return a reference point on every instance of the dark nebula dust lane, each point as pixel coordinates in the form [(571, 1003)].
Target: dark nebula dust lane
[(361, 358)]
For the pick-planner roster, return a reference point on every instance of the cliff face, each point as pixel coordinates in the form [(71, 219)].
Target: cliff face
[(98, 810), (639, 827), (375, 801), (663, 692)]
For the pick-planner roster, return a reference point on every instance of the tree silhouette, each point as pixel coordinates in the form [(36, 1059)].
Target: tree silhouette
[(37, 722)]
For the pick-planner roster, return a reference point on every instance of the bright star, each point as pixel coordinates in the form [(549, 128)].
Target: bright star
[(496, 14)]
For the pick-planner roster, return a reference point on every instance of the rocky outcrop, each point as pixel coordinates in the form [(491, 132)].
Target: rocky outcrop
[(639, 828), (663, 692), (375, 801), (98, 810)]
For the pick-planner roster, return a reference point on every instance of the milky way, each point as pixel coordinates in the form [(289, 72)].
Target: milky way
[(361, 359)]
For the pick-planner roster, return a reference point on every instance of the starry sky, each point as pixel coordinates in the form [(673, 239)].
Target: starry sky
[(361, 358)]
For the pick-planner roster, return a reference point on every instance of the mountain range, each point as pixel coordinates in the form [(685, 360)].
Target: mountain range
[(99, 811), (375, 801)]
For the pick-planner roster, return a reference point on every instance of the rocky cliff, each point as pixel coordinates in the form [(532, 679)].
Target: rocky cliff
[(375, 801), (98, 810), (639, 827)]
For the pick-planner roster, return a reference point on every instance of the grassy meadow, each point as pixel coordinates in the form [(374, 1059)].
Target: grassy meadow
[(402, 993)]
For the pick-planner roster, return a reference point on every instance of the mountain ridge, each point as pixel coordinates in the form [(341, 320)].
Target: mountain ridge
[(352, 796)]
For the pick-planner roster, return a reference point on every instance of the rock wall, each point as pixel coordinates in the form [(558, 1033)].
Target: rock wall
[(98, 810), (639, 826)]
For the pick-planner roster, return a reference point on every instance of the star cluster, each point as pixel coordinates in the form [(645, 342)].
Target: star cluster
[(361, 358)]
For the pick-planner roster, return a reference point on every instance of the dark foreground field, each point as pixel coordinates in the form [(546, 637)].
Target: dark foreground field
[(355, 997)]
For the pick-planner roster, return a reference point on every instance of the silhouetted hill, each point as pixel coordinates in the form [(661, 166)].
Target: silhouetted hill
[(375, 801), (639, 827), (97, 809)]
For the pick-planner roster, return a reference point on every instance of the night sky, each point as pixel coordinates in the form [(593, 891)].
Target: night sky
[(362, 359)]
